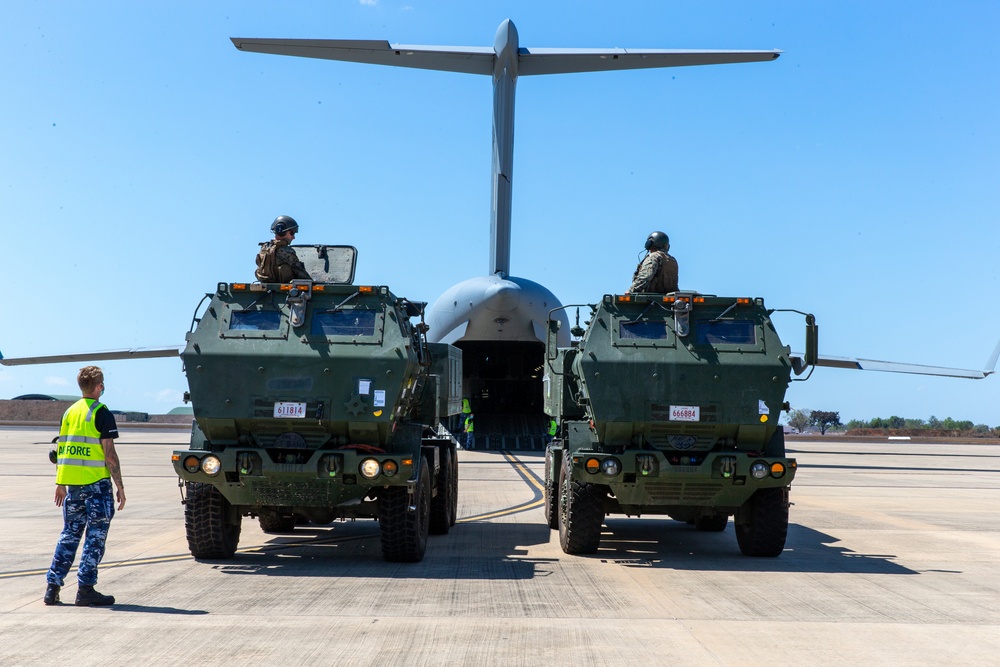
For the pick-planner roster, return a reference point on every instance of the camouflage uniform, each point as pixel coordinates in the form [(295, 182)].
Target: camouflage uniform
[(287, 264), (656, 273), (86, 508)]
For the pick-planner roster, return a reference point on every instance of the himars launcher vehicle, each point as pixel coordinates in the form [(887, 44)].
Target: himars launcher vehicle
[(317, 401), (668, 406)]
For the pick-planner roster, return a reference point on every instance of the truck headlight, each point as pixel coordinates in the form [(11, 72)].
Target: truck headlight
[(370, 468), (389, 468), (611, 467), (777, 470), (760, 470), (211, 465)]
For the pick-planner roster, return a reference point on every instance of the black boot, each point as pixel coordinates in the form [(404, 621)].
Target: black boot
[(88, 597), (51, 594)]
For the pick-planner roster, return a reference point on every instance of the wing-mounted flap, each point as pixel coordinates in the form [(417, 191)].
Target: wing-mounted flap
[(799, 366), (108, 355)]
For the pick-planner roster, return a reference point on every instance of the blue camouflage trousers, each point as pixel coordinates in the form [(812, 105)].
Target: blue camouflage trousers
[(86, 509)]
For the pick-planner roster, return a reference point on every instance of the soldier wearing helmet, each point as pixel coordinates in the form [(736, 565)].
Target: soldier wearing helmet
[(657, 272), (276, 261)]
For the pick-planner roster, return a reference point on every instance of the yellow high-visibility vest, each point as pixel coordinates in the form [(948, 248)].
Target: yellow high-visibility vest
[(553, 427), (469, 425), (80, 456)]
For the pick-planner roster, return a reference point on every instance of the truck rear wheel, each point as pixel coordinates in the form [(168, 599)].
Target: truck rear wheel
[(275, 522), (213, 529), (551, 492), (443, 505), (762, 523), (581, 513), (404, 533), (711, 524)]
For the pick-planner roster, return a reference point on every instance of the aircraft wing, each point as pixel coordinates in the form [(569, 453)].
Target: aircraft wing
[(799, 365), (481, 60), (134, 353)]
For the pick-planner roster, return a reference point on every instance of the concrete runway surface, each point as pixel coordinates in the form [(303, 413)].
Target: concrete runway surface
[(893, 557)]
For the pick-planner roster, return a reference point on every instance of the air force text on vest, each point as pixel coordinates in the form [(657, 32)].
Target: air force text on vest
[(74, 450)]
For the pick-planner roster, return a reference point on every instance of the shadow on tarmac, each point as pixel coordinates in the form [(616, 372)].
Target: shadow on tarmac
[(677, 545), (138, 608), (469, 551)]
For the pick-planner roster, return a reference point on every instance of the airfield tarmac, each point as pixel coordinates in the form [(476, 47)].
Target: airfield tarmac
[(893, 557)]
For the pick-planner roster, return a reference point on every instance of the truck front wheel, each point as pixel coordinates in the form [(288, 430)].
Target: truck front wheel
[(581, 513), (212, 527), (404, 532), (551, 491), (762, 523)]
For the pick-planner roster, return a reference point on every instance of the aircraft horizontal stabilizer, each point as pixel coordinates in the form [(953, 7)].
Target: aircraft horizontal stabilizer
[(799, 366), (135, 353), (569, 61), (466, 59), (481, 60)]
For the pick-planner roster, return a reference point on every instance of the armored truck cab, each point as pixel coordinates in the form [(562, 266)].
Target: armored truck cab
[(314, 402), (669, 405)]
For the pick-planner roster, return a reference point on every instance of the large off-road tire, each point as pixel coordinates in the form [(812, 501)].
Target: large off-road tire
[(454, 486), (404, 533), (711, 524), (443, 504), (551, 490), (275, 522), (762, 523), (581, 513), (213, 529)]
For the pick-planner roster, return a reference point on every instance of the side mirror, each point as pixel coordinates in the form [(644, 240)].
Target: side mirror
[(812, 341)]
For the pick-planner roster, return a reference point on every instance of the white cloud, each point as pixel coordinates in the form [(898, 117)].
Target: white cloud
[(370, 3), (56, 381)]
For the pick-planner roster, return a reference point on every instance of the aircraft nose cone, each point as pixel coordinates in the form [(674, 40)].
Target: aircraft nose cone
[(502, 298)]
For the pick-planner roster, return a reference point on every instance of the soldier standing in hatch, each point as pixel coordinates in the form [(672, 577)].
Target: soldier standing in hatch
[(657, 272), (87, 463), (276, 262)]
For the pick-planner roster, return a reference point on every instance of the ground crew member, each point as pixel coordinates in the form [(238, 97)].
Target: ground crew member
[(657, 272), (86, 459), (553, 429), (469, 427), (276, 261)]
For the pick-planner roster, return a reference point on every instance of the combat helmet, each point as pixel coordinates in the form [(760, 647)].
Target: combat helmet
[(284, 223), (658, 240)]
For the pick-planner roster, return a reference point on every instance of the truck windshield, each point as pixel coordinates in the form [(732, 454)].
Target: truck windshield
[(647, 330), (255, 320), (344, 322), (725, 332)]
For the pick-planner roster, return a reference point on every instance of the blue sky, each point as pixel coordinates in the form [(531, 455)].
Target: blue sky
[(142, 158)]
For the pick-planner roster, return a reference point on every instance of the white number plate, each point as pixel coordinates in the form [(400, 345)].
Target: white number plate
[(286, 410), (685, 413)]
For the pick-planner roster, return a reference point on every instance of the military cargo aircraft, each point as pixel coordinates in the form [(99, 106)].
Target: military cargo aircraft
[(499, 320)]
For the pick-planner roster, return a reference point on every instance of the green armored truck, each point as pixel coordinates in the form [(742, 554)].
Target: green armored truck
[(317, 400), (669, 406)]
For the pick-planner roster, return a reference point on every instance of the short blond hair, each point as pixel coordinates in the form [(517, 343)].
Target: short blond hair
[(89, 378)]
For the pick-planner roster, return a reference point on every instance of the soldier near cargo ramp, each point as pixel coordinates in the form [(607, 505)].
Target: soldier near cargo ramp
[(276, 261), (657, 272)]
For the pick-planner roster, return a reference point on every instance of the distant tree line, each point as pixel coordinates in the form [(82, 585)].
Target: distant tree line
[(931, 424), (825, 420)]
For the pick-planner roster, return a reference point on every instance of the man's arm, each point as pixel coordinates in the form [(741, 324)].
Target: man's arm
[(114, 467)]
